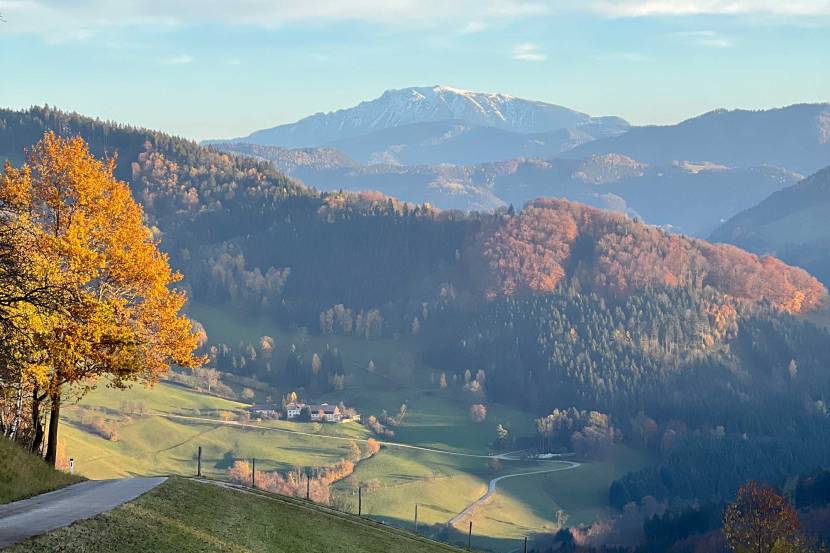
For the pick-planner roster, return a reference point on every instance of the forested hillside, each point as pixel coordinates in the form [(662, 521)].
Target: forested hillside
[(556, 308), (551, 239), (790, 224)]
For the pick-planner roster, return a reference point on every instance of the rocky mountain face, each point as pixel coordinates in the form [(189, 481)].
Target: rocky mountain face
[(418, 117)]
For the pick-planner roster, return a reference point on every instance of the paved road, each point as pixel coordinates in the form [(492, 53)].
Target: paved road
[(491, 489), (42, 513)]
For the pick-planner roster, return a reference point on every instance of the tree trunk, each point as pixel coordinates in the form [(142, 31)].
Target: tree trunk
[(37, 426), (18, 408), (54, 420)]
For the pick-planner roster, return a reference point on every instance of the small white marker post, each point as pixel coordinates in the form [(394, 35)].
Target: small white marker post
[(72, 466)]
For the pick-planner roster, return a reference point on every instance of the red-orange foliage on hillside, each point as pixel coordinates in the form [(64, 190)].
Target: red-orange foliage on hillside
[(550, 239)]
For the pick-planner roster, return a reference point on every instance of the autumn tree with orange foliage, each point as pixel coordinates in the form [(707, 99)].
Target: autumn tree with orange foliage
[(759, 520), (118, 316)]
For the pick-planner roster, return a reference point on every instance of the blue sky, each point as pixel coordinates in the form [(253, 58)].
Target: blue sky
[(210, 69)]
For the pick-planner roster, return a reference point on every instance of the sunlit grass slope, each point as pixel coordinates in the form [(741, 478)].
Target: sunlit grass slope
[(183, 516), (23, 474)]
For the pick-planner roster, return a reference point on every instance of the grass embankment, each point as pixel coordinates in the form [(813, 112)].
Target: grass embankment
[(23, 475), (183, 516)]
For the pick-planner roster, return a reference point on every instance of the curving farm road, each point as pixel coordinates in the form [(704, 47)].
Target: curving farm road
[(491, 489)]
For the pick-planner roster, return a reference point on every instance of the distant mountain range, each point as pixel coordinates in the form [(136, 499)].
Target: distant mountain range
[(793, 224), (693, 199), (443, 125), (796, 137), (439, 124)]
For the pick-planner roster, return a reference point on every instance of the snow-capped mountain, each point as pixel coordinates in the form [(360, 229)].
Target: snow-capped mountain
[(397, 108)]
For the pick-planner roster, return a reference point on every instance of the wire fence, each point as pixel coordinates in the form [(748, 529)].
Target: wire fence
[(310, 484)]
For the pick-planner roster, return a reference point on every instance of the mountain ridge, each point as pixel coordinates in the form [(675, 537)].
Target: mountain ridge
[(691, 199), (398, 107), (796, 137)]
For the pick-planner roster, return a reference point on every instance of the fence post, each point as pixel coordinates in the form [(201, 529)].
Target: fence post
[(470, 536), (199, 463), (253, 472), (416, 518), (525, 544), (307, 486), (359, 501)]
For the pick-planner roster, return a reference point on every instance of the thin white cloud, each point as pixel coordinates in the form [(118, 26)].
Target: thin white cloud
[(56, 20), (650, 8), (179, 59), (51, 16), (528, 52), (710, 39)]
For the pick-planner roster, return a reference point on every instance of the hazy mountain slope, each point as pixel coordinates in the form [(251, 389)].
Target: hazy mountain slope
[(287, 161), (456, 142), (406, 106), (690, 199), (445, 187), (796, 137), (793, 224)]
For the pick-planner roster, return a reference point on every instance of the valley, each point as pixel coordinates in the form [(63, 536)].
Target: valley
[(437, 459)]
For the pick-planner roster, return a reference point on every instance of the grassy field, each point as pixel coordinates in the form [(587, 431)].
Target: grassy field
[(159, 442), (442, 484), (529, 503), (182, 516), (177, 420), (23, 475)]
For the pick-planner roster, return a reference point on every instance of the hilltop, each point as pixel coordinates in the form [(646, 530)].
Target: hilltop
[(795, 137)]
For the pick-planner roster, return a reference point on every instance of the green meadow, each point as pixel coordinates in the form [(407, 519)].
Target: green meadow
[(163, 435)]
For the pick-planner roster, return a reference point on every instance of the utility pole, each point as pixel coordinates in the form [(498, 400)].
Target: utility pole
[(307, 486), (199, 463), (253, 472), (416, 518), (359, 501), (470, 536), (525, 544)]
